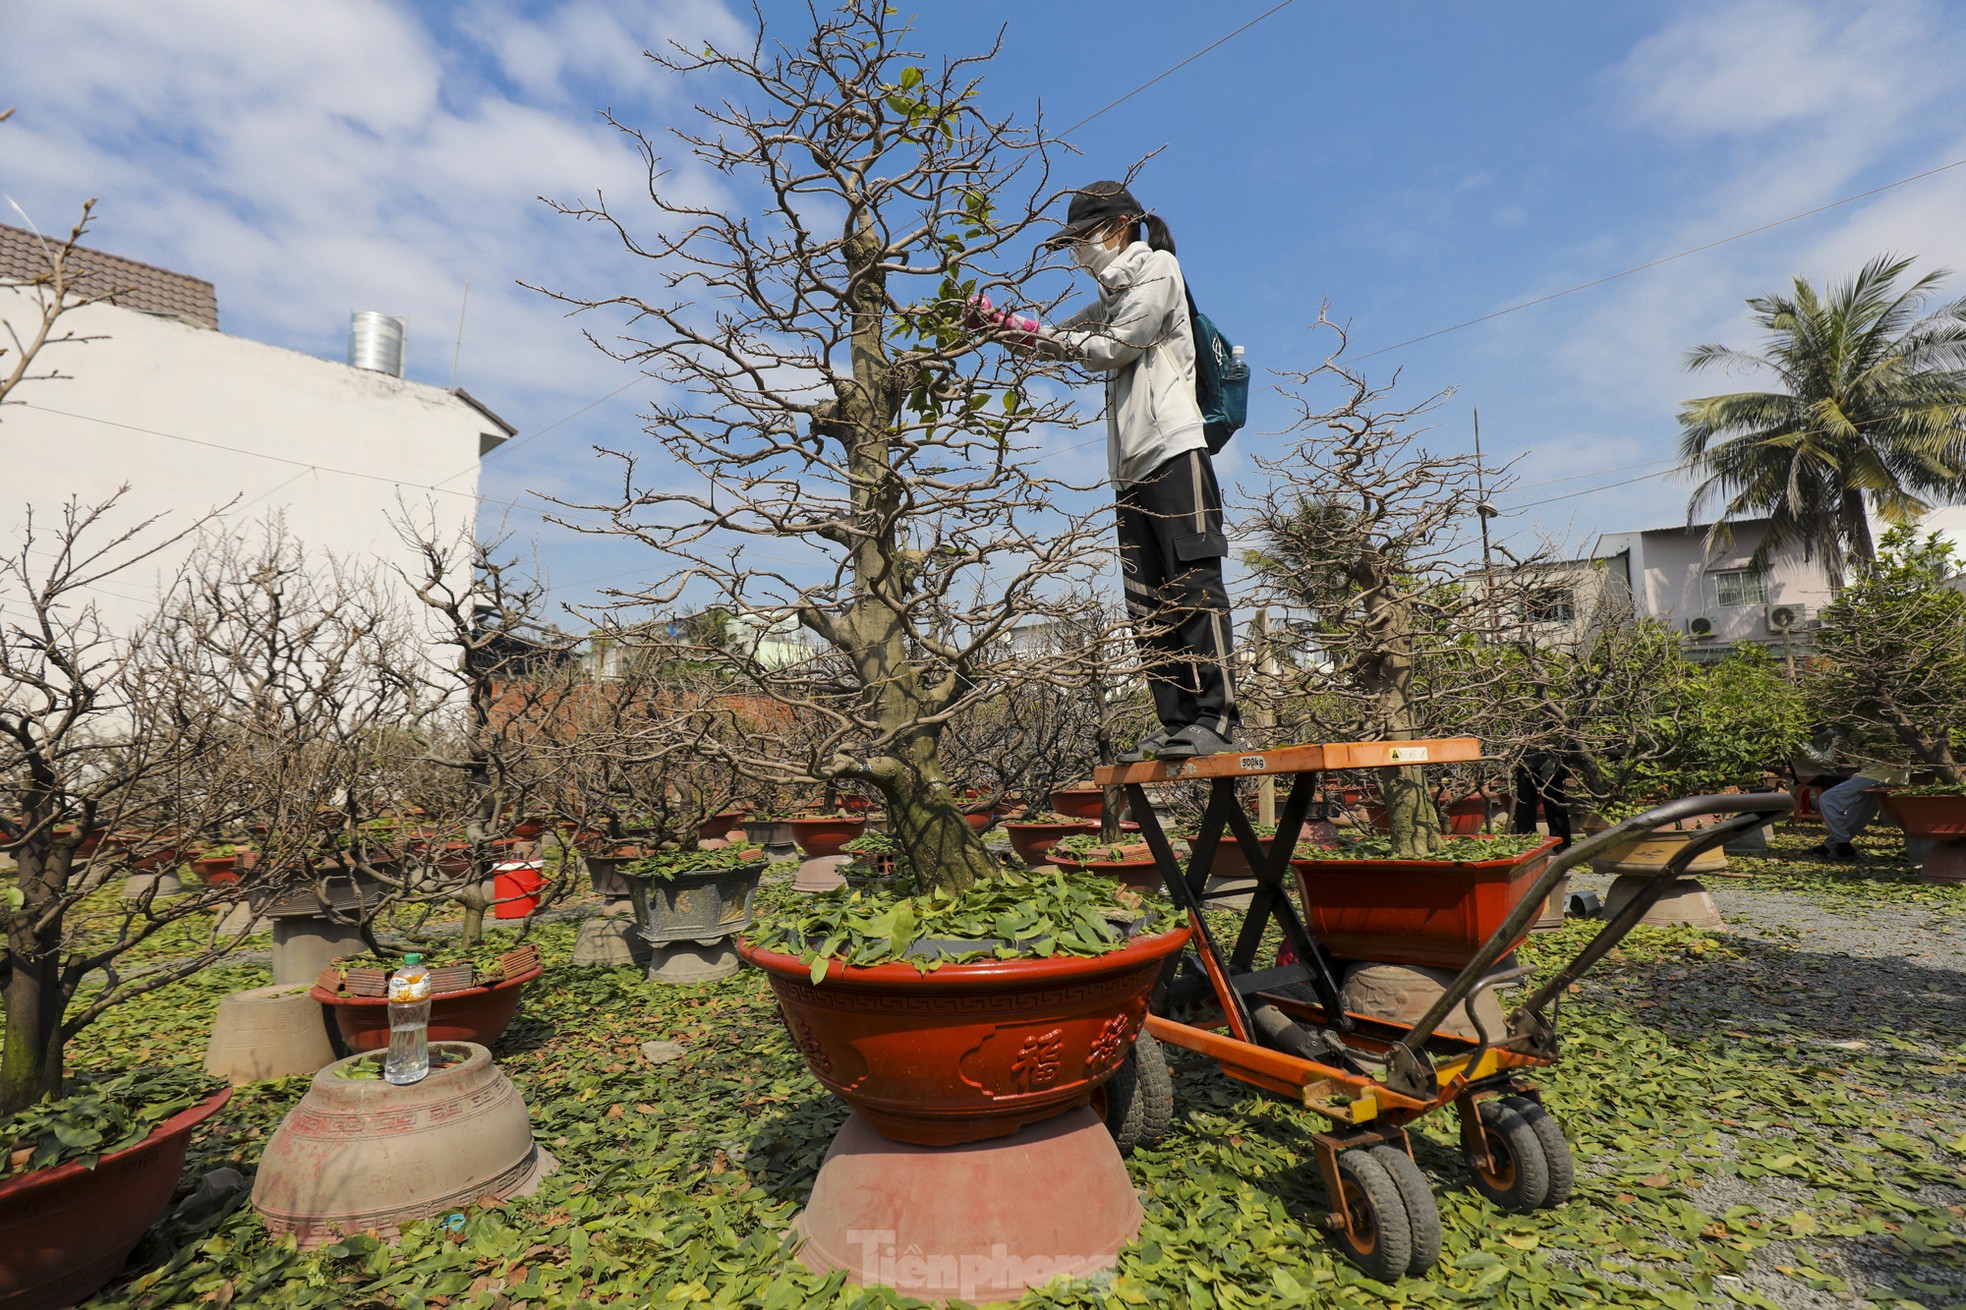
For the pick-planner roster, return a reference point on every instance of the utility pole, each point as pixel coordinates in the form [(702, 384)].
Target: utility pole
[(1484, 511), (1264, 665)]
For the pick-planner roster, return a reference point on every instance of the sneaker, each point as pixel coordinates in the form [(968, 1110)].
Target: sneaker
[(1151, 745), (1841, 852), (1196, 740)]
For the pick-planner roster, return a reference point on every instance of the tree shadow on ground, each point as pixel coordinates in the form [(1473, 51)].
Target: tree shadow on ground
[(788, 1143), (1767, 989)]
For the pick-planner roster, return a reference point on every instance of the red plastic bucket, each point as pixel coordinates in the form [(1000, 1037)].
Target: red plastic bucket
[(515, 888)]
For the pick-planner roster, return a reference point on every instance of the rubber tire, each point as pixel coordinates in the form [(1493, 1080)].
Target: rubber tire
[(1137, 1102), (1369, 1187), (1422, 1211), (1523, 1179), (1556, 1148)]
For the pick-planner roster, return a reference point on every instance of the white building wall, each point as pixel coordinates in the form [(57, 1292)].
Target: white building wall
[(191, 418)]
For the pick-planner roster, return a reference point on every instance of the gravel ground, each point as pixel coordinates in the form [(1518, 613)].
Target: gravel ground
[(1856, 976)]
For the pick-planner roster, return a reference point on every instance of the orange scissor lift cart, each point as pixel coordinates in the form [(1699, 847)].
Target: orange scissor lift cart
[(1370, 1078)]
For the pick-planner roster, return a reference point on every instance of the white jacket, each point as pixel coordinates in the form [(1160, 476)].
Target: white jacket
[(1138, 334)]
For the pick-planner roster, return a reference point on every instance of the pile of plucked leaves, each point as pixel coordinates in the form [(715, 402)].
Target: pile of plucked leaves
[(1456, 850), (1932, 789), (1013, 915), (100, 1113), (667, 864), (1089, 848)]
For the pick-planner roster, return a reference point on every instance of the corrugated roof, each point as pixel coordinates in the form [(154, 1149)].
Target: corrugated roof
[(120, 281)]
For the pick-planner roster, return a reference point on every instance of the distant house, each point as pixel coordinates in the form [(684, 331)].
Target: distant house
[(192, 418), (1716, 598)]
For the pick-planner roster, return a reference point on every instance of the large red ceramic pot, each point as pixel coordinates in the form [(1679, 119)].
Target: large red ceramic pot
[(1030, 839), (967, 1051), (819, 835), (475, 1014), (1079, 802), (719, 825), (66, 1231), (1136, 868), (1427, 912)]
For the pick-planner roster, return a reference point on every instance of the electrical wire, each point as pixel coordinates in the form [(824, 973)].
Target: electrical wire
[(1175, 69), (1655, 263)]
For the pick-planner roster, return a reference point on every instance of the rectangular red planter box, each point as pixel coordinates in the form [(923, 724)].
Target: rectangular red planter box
[(1426, 912)]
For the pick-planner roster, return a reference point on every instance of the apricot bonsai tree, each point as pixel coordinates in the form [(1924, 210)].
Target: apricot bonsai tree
[(1365, 539), (835, 449)]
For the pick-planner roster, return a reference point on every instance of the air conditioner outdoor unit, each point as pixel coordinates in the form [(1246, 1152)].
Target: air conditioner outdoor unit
[(1787, 617), (1702, 625)]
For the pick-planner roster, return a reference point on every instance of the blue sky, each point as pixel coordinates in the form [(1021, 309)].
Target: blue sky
[(1413, 165)]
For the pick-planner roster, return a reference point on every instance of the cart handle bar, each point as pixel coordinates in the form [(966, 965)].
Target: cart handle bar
[(1750, 811)]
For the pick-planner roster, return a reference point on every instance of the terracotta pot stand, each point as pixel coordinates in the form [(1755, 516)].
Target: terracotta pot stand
[(268, 1032), (821, 874), (980, 1222), (359, 1156), (1687, 903), (66, 1231)]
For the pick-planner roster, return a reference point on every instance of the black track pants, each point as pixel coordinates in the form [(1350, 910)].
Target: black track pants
[(1171, 549)]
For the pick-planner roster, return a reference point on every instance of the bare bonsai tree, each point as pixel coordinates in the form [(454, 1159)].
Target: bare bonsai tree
[(1366, 536), (123, 749), (480, 774), (828, 396)]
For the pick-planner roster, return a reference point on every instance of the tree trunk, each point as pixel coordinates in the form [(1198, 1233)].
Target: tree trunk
[(1856, 526), (1412, 820), (936, 842), (474, 903), (31, 1056)]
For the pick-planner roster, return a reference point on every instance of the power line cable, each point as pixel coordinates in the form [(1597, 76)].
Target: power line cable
[(1667, 259), (1177, 68)]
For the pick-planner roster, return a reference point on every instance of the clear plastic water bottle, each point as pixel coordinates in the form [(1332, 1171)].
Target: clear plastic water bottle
[(409, 1023), (1236, 362)]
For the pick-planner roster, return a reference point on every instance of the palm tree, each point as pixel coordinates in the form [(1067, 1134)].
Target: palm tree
[(1870, 414)]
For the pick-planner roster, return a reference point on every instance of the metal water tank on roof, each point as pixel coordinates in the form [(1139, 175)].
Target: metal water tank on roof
[(376, 341)]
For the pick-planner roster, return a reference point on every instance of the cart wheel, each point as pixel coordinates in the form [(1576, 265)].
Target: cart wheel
[(1380, 1239), (1137, 1102), (1422, 1212), (1556, 1150), (1520, 1178)]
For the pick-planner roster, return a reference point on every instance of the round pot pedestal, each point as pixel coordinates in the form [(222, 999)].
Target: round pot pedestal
[(1553, 909), (1404, 992), (1229, 893), (356, 1156), (773, 836), (822, 873), (239, 920), (686, 964), (268, 1032), (1685, 904), (609, 940), (66, 1231), (305, 944), (980, 1222), (1944, 861), (153, 884)]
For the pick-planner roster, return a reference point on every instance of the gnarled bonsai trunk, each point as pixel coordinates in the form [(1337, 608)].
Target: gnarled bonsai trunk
[(31, 1057)]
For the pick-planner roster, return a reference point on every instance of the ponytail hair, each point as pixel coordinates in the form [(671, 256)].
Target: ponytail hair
[(1157, 235)]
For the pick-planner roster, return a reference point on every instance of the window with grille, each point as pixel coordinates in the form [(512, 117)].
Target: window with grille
[(1740, 587)]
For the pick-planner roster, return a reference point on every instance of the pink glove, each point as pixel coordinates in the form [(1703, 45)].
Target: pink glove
[(1012, 329)]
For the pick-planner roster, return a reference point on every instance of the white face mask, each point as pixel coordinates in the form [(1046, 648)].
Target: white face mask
[(1094, 256)]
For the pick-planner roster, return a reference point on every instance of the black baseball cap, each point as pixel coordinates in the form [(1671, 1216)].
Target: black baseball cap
[(1093, 207)]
